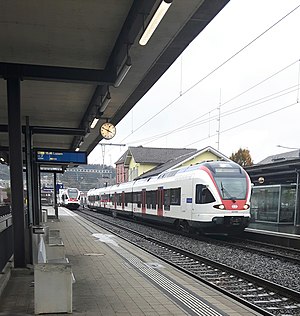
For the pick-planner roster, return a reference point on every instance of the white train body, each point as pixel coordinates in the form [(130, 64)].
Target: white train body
[(209, 197), (69, 198)]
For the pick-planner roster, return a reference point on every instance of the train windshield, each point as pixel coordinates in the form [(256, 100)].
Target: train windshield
[(232, 188), (73, 193), (231, 181)]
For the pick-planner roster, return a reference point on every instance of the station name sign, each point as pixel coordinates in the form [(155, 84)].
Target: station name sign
[(61, 157)]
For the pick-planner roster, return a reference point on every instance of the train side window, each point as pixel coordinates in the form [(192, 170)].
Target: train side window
[(118, 199), (203, 195), (153, 199), (148, 199), (167, 200), (128, 198), (139, 199), (175, 196)]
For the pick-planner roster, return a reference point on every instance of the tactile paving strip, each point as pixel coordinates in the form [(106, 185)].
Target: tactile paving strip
[(191, 303)]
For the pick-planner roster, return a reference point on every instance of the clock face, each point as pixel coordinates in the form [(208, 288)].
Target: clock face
[(107, 130)]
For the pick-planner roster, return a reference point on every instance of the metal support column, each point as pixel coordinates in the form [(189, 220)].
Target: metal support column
[(29, 218), (35, 191), (39, 190), (28, 149), (55, 196), (16, 169)]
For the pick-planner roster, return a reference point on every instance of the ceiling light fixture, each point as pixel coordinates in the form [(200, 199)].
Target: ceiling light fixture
[(105, 103), (123, 72), (88, 132), (157, 17), (94, 123), (99, 111)]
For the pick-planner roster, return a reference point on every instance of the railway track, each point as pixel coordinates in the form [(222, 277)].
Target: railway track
[(284, 253), (272, 251), (261, 295)]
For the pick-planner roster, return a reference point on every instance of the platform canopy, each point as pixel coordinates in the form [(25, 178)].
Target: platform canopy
[(70, 55), (285, 171)]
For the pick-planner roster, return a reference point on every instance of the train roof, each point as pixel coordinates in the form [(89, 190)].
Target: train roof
[(212, 165)]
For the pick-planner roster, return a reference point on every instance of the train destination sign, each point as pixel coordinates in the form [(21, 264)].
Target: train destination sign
[(59, 157)]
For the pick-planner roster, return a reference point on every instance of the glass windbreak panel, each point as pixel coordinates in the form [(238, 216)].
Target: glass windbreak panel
[(264, 204), (287, 204), (73, 193), (232, 188)]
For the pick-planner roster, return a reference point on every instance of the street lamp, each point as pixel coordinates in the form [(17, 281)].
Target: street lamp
[(287, 147)]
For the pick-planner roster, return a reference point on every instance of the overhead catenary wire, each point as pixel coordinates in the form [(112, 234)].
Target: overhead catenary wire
[(246, 106), (212, 118), (246, 122), (194, 122), (212, 72)]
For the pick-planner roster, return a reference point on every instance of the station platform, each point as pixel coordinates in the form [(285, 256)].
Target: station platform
[(279, 234), (113, 277), (278, 228)]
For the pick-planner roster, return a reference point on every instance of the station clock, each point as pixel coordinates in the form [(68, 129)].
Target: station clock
[(107, 130)]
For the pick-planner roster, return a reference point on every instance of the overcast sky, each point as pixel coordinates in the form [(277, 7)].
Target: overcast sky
[(257, 90)]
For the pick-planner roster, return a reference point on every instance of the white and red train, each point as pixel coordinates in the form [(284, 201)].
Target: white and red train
[(69, 198), (211, 197)]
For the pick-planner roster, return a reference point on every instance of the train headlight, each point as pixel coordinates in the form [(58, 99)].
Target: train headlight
[(220, 206), (246, 206)]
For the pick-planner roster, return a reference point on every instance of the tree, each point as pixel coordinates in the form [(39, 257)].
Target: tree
[(242, 157)]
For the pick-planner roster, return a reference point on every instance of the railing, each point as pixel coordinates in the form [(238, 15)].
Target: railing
[(4, 210), (6, 235)]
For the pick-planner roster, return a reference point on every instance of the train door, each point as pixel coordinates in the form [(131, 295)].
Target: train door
[(144, 201), (160, 201), (190, 200), (115, 201), (187, 198)]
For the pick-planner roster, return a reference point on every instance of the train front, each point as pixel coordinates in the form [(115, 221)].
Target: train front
[(73, 198), (231, 187)]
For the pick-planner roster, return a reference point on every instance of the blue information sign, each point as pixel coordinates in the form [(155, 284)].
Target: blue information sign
[(59, 186), (56, 157)]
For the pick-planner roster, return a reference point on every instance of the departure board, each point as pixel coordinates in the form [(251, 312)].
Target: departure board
[(59, 157)]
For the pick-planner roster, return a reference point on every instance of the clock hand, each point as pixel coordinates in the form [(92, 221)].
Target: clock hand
[(106, 129)]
